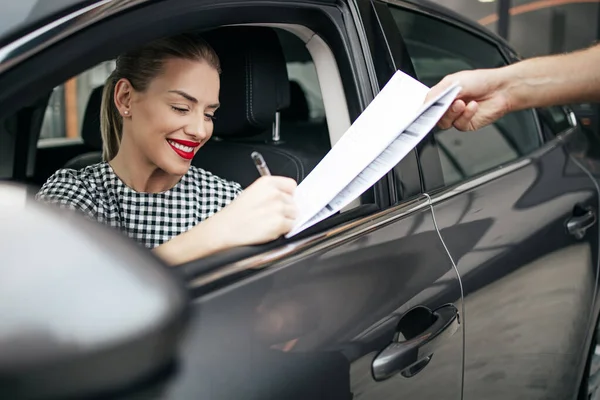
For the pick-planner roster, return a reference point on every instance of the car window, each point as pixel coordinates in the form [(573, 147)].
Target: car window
[(66, 137), (64, 114), (306, 100), (436, 50), (305, 75)]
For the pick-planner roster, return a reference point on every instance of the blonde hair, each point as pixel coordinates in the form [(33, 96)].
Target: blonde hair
[(140, 67)]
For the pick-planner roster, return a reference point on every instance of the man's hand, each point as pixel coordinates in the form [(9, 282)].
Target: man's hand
[(482, 100)]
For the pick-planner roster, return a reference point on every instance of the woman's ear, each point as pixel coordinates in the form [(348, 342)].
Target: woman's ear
[(122, 97)]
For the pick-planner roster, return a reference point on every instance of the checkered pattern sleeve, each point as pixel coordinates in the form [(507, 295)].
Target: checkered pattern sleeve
[(217, 192), (67, 190)]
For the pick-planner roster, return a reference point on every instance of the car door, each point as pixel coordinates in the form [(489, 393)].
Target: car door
[(529, 278), (369, 309), (345, 314)]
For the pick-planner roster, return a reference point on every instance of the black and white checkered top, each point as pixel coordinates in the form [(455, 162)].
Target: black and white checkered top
[(149, 218)]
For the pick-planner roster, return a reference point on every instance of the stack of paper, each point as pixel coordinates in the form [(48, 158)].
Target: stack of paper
[(388, 129)]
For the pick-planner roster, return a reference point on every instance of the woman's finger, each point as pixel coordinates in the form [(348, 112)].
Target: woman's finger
[(290, 211), (285, 184)]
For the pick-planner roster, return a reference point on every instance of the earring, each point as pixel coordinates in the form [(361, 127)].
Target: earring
[(126, 112)]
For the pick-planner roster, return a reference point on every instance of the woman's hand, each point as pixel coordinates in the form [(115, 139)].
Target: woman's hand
[(261, 213)]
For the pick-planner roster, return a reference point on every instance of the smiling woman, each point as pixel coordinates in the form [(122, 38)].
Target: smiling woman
[(158, 110)]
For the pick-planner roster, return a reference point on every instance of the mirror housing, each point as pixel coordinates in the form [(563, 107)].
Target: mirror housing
[(83, 309)]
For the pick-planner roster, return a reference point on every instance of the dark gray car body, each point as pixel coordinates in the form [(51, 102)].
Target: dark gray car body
[(309, 318)]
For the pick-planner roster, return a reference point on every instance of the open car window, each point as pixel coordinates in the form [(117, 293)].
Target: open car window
[(305, 131)]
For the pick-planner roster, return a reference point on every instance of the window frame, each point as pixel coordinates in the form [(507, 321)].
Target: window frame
[(432, 175), (388, 54)]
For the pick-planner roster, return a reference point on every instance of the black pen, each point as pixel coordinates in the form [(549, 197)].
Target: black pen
[(260, 163)]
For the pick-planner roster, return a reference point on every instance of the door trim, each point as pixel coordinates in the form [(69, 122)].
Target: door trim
[(328, 239)]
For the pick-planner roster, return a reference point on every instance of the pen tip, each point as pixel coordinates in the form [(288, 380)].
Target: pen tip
[(256, 156)]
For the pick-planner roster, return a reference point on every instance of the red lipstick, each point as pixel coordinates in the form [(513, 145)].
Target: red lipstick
[(185, 153), (185, 142)]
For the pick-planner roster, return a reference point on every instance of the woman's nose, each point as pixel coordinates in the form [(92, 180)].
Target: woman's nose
[(197, 129)]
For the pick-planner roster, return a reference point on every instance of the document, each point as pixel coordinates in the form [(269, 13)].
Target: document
[(387, 130)]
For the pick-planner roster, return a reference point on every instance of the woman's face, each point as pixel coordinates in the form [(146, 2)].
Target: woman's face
[(174, 117)]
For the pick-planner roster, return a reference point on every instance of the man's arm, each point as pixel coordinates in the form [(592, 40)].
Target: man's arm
[(488, 94), (555, 80)]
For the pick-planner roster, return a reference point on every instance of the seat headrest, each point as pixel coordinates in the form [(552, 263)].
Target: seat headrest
[(90, 129), (254, 79)]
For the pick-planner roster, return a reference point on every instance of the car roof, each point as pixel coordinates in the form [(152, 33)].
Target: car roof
[(23, 16), (19, 17)]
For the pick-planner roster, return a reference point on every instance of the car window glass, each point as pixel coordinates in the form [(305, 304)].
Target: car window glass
[(305, 75), (438, 49), (65, 112), (306, 109)]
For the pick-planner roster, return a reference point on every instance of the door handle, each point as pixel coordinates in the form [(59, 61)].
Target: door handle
[(410, 355), (578, 225)]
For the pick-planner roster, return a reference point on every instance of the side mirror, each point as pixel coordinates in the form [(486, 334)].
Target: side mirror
[(83, 310)]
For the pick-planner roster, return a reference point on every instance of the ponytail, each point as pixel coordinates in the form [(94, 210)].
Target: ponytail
[(111, 122)]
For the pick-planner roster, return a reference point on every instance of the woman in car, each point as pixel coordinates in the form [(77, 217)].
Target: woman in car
[(158, 109)]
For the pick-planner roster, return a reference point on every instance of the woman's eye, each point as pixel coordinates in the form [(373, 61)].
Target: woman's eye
[(210, 117), (179, 109)]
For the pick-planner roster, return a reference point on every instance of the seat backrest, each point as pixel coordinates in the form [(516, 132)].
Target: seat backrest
[(90, 133), (254, 87)]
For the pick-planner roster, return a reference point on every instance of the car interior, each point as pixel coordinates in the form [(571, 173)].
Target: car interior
[(291, 148), (263, 108)]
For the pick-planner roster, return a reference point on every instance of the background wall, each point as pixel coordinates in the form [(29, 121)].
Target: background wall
[(537, 27)]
